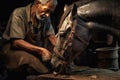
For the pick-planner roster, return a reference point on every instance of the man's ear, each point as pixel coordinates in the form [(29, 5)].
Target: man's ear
[(74, 11)]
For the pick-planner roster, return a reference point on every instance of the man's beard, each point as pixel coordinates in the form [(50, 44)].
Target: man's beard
[(40, 17)]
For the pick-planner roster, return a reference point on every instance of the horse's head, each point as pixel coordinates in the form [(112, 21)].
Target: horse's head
[(73, 37)]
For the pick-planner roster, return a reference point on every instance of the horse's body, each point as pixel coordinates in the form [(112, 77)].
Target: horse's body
[(74, 32)]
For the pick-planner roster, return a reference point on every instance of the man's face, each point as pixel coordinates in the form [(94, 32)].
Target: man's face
[(43, 10)]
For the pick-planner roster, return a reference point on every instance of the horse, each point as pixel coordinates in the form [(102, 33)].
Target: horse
[(75, 32), (73, 39)]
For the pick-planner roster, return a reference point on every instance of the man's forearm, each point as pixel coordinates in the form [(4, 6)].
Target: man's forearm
[(53, 40), (22, 44)]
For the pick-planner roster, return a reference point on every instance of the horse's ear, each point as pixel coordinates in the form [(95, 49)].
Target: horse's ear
[(74, 11), (65, 7)]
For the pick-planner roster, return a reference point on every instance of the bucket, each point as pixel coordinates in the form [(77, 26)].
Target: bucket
[(108, 58)]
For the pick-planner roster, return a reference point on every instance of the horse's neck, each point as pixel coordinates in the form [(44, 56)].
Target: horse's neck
[(82, 2)]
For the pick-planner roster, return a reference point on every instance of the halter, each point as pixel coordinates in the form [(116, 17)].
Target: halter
[(67, 43)]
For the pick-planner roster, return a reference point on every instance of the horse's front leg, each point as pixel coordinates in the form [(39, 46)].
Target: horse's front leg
[(77, 49)]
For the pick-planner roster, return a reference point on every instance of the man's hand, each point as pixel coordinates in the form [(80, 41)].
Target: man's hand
[(46, 55)]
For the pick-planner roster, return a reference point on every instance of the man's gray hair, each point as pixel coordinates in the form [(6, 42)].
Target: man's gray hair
[(45, 1)]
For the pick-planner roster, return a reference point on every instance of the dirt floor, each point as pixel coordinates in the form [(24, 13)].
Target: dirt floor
[(82, 74)]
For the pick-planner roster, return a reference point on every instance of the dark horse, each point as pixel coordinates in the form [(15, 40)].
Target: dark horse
[(75, 30)]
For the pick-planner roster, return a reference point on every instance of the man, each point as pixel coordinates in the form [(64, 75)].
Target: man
[(26, 33)]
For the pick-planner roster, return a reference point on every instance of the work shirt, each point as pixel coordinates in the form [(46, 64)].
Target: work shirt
[(20, 26)]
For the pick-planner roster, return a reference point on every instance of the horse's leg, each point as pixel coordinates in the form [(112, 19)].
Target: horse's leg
[(77, 49)]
